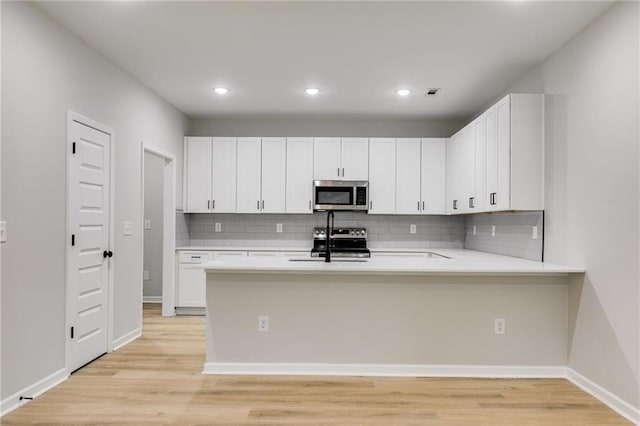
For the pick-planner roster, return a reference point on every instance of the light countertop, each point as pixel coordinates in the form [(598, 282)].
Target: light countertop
[(460, 262)]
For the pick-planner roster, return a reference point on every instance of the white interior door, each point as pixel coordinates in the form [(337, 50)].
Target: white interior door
[(89, 260)]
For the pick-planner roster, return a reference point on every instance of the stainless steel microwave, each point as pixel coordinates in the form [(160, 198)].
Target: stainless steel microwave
[(348, 195)]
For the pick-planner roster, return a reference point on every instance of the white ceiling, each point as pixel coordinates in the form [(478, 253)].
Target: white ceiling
[(357, 53)]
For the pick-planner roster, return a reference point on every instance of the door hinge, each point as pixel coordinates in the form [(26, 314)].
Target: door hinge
[(73, 240), (72, 330), (73, 148)]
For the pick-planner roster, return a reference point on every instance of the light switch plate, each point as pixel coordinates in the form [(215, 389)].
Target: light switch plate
[(147, 224), (3, 232), (127, 228), (145, 276), (218, 227), (412, 228)]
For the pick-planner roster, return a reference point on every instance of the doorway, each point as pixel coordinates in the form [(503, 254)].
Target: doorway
[(90, 177), (158, 200)]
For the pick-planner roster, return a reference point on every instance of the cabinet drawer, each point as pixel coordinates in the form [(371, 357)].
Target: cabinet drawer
[(220, 254), (194, 257)]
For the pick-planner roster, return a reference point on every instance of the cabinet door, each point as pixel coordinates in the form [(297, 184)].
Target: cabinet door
[(432, 176), (224, 175), (502, 199), (191, 286), (274, 171), (408, 176), (197, 176), (248, 176), (452, 174), (299, 175), (355, 159), (326, 159), (382, 176), (467, 167), (491, 159), (479, 130)]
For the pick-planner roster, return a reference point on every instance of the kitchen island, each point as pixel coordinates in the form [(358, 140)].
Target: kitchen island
[(418, 316)]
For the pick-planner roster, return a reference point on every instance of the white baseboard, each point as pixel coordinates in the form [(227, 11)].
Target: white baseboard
[(392, 370), (612, 401), (127, 338), (152, 299), (33, 391)]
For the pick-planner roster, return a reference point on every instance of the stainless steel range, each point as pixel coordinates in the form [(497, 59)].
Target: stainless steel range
[(345, 242)]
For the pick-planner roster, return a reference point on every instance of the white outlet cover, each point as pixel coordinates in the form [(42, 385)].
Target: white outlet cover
[(499, 325), (493, 230), (3, 231), (127, 228), (147, 224), (412, 228), (278, 227), (218, 227), (263, 323), (145, 275)]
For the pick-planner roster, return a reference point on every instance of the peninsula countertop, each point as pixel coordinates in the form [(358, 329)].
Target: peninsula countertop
[(455, 262)]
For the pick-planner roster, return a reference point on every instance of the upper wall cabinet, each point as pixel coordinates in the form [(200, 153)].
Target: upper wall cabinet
[(433, 176), (341, 159), (496, 162), (299, 193), (382, 176), (210, 175), (261, 175)]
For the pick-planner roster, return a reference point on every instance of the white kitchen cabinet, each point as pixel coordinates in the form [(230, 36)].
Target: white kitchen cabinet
[(514, 153), (455, 173), (191, 284), (408, 168), (223, 186), (248, 175), (197, 177), (355, 159), (475, 200), (299, 192), (210, 175), (382, 176), (420, 176), (274, 172), (433, 176), (261, 175), (340, 159)]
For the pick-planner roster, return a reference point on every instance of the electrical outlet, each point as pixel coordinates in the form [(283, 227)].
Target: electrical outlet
[(145, 275), (263, 323), (412, 228), (474, 230), (147, 224), (3, 232), (499, 326), (278, 227), (534, 233), (218, 227), (127, 228), (493, 230)]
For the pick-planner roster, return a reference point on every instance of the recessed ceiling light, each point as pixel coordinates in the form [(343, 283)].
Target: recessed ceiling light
[(312, 91), (221, 90), (403, 92)]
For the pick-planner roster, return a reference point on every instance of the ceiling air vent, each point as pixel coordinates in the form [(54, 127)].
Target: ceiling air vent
[(431, 92)]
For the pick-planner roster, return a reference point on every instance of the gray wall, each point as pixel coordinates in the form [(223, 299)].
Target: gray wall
[(323, 127), (47, 71), (592, 192), (153, 204)]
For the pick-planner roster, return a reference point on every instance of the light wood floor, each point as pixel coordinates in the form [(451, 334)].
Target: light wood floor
[(157, 380)]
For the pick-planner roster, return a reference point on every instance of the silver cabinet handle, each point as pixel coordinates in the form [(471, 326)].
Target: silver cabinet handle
[(343, 172), (208, 204), (370, 204), (258, 205), (423, 205), (213, 204), (418, 205), (309, 204), (471, 199), (338, 171), (262, 204)]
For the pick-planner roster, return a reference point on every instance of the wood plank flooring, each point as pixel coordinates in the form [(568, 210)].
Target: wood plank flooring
[(157, 380)]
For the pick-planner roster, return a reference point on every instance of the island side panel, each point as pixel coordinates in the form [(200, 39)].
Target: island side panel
[(353, 319)]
